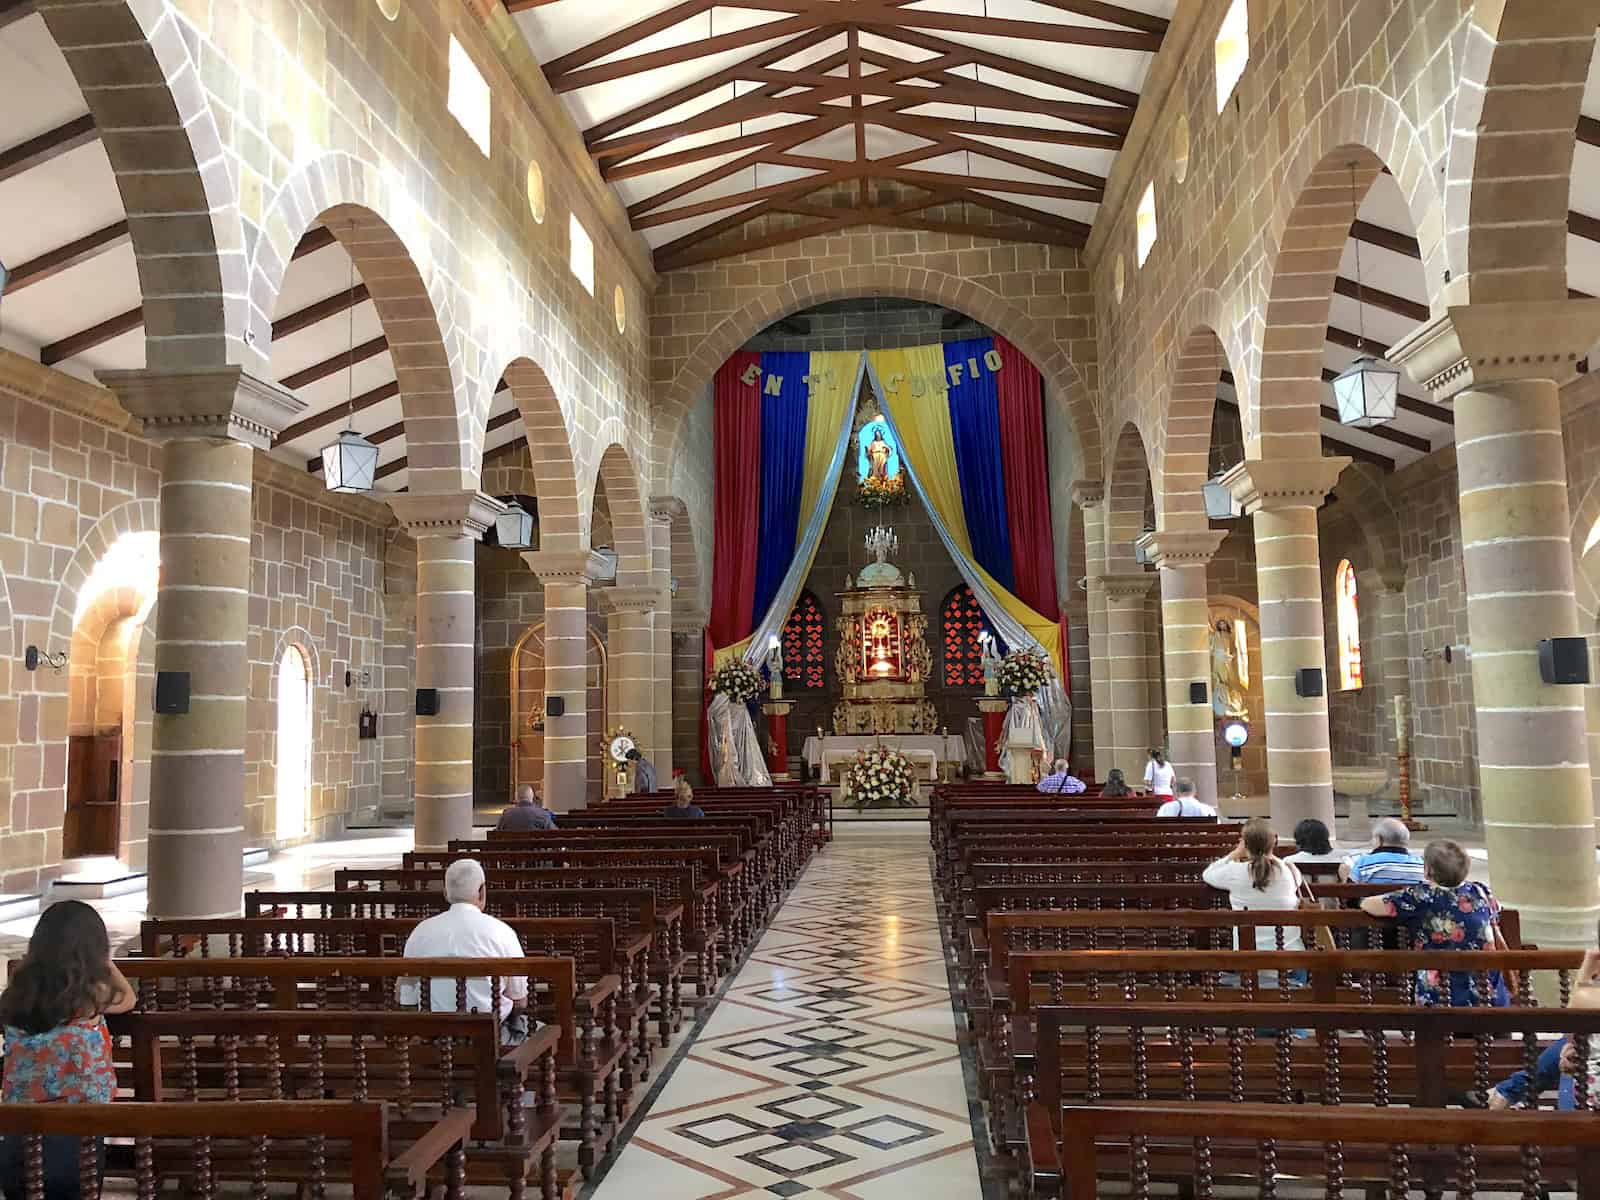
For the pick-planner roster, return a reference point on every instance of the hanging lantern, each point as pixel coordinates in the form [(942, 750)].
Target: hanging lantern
[(513, 529), (1218, 500), (350, 464), (1367, 392)]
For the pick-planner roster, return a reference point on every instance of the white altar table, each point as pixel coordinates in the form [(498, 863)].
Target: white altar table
[(924, 750)]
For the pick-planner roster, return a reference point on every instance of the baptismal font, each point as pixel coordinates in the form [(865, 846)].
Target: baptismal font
[(883, 660)]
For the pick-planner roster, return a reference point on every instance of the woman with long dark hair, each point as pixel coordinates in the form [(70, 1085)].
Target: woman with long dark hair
[(57, 1046)]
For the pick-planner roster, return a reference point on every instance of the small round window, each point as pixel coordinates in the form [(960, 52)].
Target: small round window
[(619, 307), (536, 192)]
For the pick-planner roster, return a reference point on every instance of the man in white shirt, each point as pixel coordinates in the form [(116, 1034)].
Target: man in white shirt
[(1184, 804), (466, 931)]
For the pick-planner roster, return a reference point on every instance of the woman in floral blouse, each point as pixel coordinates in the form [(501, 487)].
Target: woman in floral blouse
[(1446, 912), (57, 1046)]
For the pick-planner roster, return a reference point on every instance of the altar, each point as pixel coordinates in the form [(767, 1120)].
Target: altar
[(928, 752)]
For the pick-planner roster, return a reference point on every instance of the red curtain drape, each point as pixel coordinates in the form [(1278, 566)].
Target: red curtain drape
[(737, 500), (1027, 480)]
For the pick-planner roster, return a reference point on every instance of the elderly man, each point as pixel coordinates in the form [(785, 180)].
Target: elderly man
[(527, 815), (1390, 860), (1184, 803), (466, 931), (1061, 780)]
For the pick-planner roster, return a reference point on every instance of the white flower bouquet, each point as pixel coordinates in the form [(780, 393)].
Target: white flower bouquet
[(1022, 673), (880, 778), (737, 681)]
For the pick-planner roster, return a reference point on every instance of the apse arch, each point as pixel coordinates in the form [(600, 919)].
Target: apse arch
[(377, 222), (1037, 339), (1306, 234), (562, 527)]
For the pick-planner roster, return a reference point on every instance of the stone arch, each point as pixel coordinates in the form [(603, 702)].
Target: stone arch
[(136, 516), (1185, 464), (1524, 67), (690, 597), (630, 536), (1128, 493), (563, 523), (1280, 399), (384, 230), (132, 63), (1066, 384), (1586, 563), (1360, 487), (300, 640)]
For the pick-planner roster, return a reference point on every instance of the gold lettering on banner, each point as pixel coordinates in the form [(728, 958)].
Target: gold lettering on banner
[(955, 374), (750, 375), (774, 385), (893, 383), (972, 365), (992, 360)]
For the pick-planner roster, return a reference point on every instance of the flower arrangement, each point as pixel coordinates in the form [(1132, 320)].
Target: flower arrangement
[(737, 681), (874, 492), (879, 778), (1022, 672)]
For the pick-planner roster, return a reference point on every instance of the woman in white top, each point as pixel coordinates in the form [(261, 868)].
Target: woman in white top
[(1255, 878), (1158, 774)]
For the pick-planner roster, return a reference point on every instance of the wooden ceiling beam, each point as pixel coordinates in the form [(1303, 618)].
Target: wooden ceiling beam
[(953, 89), (338, 362), (311, 314), (939, 126), (780, 139), (1359, 453), (63, 258), (387, 434), (331, 416), (1588, 131), (572, 80), (311, 241), (1020, 187), (1386, 239), (1016, 158), (853, 52), (52, 143), (624, 37), (510, 416), (693, 249), (1112, 14), (1584, 226), (635, 167), (1367, 294), (87, 339), (1013, 66), (875, 16), (1066, 225)]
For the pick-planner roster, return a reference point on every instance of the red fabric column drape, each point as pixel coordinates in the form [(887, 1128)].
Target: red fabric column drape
[(737, 451), (1027, 480)]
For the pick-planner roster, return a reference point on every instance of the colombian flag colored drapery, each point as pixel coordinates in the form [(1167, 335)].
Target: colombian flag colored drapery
[(781, 420)]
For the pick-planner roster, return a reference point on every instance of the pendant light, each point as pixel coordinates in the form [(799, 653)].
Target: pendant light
[(513, 529), (350, 463), (1368, 390)]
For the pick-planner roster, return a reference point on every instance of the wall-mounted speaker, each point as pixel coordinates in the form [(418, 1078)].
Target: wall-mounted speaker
[(1197, 693), (1308, 681), (172, 692), (427, 702), (1564, 660), (555, 706)]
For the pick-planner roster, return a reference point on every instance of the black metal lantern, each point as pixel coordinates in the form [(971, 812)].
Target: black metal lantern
[(513, 529), (350, 464)]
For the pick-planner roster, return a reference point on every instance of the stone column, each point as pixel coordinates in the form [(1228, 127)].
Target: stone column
[(1127, 668), (208, 422), (1381, 595), (1090, 497), (1283, 496), (566, 578), (1501, 363), (446, 527), (1180, 558), (661, 580), (631, 660)]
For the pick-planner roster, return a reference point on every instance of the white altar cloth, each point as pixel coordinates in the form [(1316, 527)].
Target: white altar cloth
[(921, 748)]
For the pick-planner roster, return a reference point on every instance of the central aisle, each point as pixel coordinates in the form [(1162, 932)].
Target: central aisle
[(830, 1066)]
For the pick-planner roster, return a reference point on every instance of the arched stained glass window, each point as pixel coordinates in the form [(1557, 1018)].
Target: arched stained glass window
[(803, 660), (294, 743), (1347, 612), (960, 623)]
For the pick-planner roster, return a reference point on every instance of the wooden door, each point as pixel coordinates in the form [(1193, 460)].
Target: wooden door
[(94, 795)]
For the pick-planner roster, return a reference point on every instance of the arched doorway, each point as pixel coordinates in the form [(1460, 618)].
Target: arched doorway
[(528, 715)]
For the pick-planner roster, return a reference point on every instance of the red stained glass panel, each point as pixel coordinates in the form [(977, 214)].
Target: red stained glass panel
[(803, 660), (960, 623)]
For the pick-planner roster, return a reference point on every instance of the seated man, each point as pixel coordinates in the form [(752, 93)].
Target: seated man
[(683, 804), (466, 931), (644, 771), (1184, 803), (527, 815), (1061, 780), (1389, 861)]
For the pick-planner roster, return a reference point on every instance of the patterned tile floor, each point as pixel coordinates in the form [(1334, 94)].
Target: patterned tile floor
[(830, 1066)]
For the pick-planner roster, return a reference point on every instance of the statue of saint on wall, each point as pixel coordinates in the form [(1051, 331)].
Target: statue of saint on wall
[(1228, 695)]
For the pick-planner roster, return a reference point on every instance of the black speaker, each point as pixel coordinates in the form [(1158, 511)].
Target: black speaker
[(1197, 693), (555, 706), (1308, 681), (172, 692), (1564, 660), (427, 702)]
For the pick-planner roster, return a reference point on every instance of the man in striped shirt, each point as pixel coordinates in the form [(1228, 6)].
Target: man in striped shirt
[(1390, 860)]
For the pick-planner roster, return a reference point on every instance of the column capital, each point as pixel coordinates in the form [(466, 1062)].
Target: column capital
[(569, 567), (1474, 345), (1125, 585), (445, 514), (665, 508), (205, 402), (1087, 493), (1181, 547), (689, 622), (1274, 483), (629, 598)]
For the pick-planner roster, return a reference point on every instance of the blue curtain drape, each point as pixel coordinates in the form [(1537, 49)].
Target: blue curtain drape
[(975, 426), (783, 454)]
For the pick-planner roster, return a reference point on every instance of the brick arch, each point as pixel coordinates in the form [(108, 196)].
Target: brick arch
[(133, 66), (629, 534), (1523, 73), (690, 596), (1307, 231), (1065, 384), (1127, 492), (1191, 400), (1361, 489), (136, 516), (384, 230), (563, 525)]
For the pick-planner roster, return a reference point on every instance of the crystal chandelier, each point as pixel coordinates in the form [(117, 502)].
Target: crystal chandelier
[(882, 542)]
